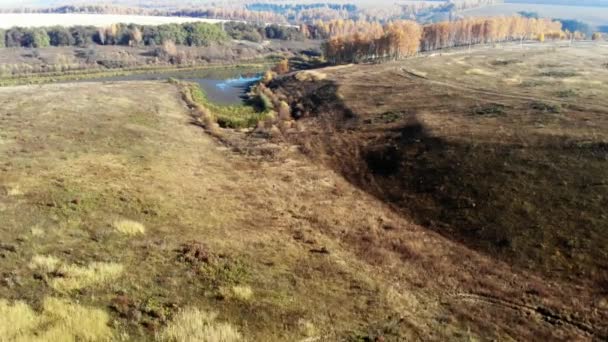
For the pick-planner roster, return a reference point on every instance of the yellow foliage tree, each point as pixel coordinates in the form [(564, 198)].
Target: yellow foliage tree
[(282, 67)]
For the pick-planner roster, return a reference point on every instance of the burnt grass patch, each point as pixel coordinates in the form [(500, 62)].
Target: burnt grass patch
[(536, 204)]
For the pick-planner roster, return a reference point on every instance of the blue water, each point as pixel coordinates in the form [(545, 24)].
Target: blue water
[(226, 91)]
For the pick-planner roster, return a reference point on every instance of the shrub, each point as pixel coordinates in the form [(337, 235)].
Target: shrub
[(284, 111), (268, 77), (266, 102), (167, 51), (36, 38), (310, 76), (282, 67)]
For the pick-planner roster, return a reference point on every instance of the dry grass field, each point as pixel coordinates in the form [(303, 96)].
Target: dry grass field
[(503, 149), (120, 220)]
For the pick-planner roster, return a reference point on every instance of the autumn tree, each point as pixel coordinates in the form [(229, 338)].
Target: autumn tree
[(135, 36), (596, 36), (351, 41), (282, 67)]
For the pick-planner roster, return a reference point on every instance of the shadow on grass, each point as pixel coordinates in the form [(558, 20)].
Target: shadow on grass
[(538, 204)]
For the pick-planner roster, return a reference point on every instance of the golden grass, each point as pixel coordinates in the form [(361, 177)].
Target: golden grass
[(191, 324), (14, 191), (78, 277), (37, 231), (242, 292), (129, 227), (16, 319), (60, 320), (45, 263), (73, 277), (310, 76)]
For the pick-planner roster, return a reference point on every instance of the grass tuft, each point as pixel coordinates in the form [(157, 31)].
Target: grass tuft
[(129, 227), (60, 320), (242, 292), (76, 321), (77, 277), (192, 324)]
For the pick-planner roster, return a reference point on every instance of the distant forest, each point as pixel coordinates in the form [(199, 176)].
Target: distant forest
[(191, 34)]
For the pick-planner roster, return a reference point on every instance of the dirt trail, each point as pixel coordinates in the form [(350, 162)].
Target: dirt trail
[(323, 259)]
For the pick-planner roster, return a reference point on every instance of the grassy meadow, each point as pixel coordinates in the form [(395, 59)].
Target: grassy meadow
[(122, 220)]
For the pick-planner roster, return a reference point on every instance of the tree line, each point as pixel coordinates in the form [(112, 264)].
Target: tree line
[(356, 42), (263, 13), (192, 34)]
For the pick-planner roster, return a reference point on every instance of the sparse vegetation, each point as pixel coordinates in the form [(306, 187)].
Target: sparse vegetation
[(546, 107), (566, 93), (558, 73), (491, 109)]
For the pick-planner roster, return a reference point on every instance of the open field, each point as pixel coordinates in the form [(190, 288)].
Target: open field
[(8, 20), (456, 197), (595, 16)]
